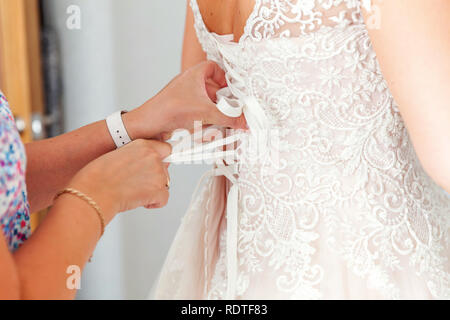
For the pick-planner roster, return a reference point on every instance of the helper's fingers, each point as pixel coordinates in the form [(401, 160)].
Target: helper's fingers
[(165, 136), (164, 149), (212, 71), (160, 194), (218, 118), (211, 89), (166, 170), (160, 199)]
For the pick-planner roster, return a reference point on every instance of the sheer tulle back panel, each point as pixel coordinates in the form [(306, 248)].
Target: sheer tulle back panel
[(293, 18)]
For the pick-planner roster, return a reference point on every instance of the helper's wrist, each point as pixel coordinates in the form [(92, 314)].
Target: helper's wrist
[(101, 194), (145, 122)]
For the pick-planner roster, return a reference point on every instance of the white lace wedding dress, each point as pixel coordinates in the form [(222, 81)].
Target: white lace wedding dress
[(348, 212)]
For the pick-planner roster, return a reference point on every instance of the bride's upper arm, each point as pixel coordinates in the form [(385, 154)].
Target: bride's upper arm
[(412, 43), (192, 50)]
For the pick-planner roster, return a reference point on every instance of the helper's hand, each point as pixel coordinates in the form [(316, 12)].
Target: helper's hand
[(131, 177), (188, 98)]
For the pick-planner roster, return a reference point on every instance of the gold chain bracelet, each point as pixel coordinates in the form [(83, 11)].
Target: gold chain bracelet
[(88, 200)]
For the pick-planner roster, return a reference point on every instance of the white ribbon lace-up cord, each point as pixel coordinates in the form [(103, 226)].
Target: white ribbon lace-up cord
[(232, 102), (198, 153)]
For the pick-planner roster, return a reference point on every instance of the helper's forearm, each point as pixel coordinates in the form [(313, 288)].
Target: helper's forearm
[(67, 237), (52, 163)]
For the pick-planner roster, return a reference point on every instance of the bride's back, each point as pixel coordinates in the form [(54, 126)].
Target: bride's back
[(226, 16), (339, 206)]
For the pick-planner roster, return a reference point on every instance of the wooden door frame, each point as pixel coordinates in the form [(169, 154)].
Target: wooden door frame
[(20, 63), (20, 59)]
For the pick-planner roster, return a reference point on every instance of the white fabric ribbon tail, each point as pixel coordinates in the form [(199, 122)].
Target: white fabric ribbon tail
[(198, 153), (207, 151), (233, 103), (232, 230)]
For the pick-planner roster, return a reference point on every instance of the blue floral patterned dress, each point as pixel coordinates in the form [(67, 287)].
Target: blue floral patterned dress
[(14, 208)]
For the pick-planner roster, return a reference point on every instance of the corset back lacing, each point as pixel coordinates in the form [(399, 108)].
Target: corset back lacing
[(233, 102)]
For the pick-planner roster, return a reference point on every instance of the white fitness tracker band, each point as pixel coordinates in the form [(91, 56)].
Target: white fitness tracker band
[(117, 129)]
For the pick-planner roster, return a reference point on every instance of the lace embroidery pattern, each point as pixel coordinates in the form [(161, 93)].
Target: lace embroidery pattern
[(348, 180), (292, 18)]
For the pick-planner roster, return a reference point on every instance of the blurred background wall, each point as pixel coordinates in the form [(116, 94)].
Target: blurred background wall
[(124, 53)]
